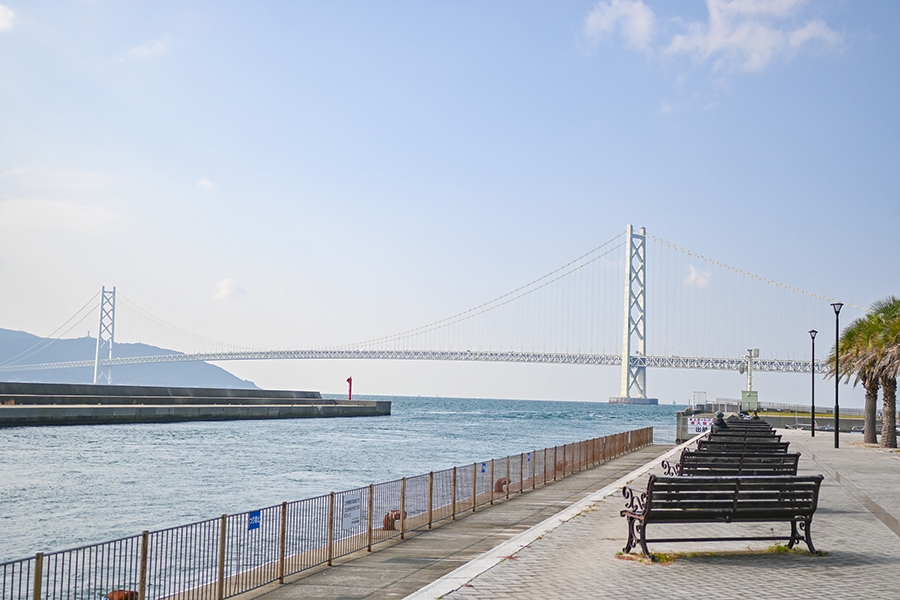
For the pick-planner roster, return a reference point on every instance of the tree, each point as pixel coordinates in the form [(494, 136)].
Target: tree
[(887, 348)]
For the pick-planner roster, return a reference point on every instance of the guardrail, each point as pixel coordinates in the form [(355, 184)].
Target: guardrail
[(230, 555)]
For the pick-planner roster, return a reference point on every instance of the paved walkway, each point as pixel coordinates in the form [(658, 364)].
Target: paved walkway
[(395, 569), (856, 525)]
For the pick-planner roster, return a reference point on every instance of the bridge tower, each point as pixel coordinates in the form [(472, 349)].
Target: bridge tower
[(105, 335), (634, 375)]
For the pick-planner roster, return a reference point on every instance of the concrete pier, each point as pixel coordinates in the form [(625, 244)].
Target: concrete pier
[(34, 404)]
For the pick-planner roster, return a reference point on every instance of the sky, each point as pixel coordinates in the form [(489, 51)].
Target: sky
[(294, 174)]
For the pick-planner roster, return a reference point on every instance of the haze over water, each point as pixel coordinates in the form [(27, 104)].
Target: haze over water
[(63, 487)]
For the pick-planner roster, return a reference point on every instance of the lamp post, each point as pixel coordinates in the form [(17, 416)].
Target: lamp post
[(837, 306), (812, 368)]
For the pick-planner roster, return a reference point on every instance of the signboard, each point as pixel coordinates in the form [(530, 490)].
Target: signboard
[(697, 425), (351, 514), (254, 521)]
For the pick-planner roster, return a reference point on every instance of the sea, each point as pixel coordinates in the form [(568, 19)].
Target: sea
[(66, 487)]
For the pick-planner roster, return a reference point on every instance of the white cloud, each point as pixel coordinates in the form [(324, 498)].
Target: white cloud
[(205, 183), (151, 49), (7, 16), (229, 288), (748, 35), (634, 19), (22, 215), (739, 35), (697, 278)]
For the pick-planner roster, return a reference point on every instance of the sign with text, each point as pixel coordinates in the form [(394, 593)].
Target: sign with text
[(351, 514), (254, 521), (699, 424)]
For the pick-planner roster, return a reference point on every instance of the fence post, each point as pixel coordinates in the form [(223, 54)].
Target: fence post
[(282, 544), (554, 462), (369, 524), (493, 483), (534, 470), (142, 573), (474, 483), (544, 474), (430, 497), (522, 473), (507, 477), (38, 575), (564, 460), (453, 497), (220, 582), (330, 541), (402, 507)]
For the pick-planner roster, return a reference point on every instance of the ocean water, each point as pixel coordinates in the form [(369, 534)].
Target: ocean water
[(64, 487)]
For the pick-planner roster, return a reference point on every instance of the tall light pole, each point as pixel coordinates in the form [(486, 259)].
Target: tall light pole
[(837, 306), (812, 365)]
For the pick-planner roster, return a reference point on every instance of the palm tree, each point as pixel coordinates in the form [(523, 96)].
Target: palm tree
[(887, 314)]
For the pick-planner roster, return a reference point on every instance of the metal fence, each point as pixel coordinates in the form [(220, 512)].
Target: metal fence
[(224, 557)]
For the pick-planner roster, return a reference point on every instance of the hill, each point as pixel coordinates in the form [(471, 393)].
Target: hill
[(25, 348)]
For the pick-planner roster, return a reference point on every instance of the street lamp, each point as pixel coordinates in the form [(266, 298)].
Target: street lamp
[(812, 365), (837, 306)]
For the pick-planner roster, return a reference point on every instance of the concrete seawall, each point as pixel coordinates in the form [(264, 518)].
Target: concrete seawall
[(16, 416), (34, 404)]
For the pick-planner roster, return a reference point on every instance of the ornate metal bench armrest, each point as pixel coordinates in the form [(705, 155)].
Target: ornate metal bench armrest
[(635, 499), (670, 469)]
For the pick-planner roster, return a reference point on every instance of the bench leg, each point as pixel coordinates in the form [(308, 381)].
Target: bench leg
[(806, 537), (631, 541)]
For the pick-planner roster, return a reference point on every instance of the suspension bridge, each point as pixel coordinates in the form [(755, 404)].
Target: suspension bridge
[(602, 308)]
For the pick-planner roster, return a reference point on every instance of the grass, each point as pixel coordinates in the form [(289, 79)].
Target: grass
[(662, 558)]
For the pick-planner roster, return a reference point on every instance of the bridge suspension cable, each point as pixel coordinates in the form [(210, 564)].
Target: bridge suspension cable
[(85, 311)]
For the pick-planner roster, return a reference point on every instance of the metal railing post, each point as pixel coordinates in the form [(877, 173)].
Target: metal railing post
[(493, 483), (507, 477), (453, 497), (369, 525), (282, 544), (554, 463), (330, 541), (142, 573), (430, 497), (474, 483), (534, 470), (402, 507), (220, 581), (522, 473), (38, 575)]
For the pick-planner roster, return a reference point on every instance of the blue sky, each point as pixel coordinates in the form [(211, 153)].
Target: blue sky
[(283, 174)]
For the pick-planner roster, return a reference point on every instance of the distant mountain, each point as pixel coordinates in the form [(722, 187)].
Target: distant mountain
[(23, 348)]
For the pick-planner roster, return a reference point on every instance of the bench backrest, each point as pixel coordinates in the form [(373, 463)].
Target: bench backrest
[(742, 445), (742, 498), (728, 434), (738, 463)]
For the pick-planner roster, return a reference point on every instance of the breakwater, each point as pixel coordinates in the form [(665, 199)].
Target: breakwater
[(43, 404)]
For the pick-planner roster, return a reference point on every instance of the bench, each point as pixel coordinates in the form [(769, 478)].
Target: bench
[(733, 463), (729, 434), (742, 445), (741, 499)]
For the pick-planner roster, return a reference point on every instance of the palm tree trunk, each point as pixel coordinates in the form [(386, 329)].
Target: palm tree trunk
[(870, 434), (889, 419)]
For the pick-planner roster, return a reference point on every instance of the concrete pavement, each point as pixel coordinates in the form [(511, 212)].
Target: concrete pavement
[(398, 568), (856, 526)]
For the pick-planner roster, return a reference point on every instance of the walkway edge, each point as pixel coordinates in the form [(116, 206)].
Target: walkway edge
[(457, 578)]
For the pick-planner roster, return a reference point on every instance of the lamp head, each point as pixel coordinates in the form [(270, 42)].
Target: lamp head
[(812, 333), (837, 306)]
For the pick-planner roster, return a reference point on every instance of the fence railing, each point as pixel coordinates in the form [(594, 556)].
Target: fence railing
[(227, 556)]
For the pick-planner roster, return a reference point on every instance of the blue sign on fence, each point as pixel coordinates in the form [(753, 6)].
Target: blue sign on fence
[(529, 457), (483, 465), (255, 520)]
